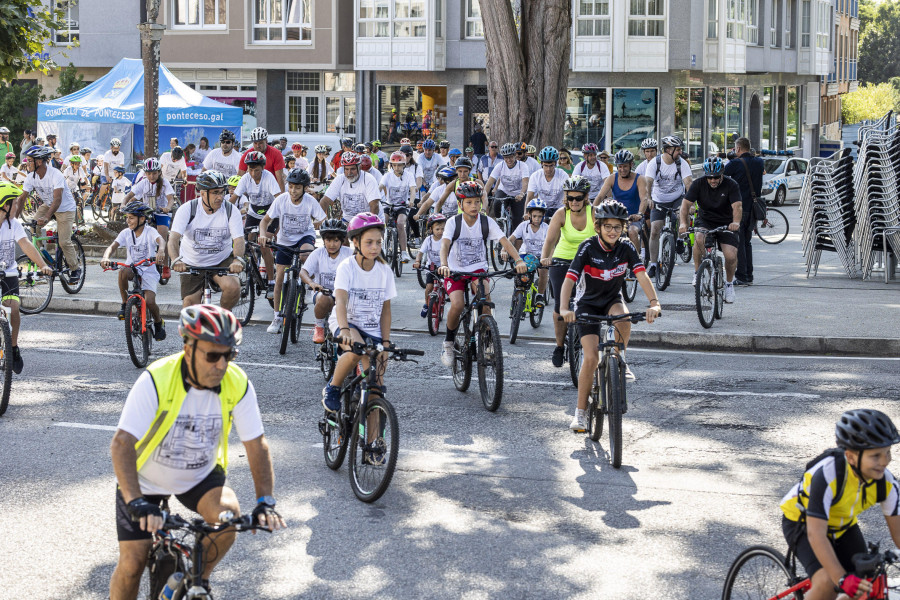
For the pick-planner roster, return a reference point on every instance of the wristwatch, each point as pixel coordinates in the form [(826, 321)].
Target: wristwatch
[(269, 500)]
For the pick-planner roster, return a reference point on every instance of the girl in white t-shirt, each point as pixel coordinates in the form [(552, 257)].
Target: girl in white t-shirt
[(319, 270), (430, 255), (443, 178), (8, 172), (529, 238), (398, 187), (119, 184)]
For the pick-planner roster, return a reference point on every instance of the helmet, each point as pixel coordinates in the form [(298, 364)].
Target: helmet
[(359, 148), (436, 218), (210, 323), (447, 173), (648, 144), (469, 149), (119, 169), (398, 158), (333, 227), (138, 208), (86, 151), (521, 147), (419, 145), (507, 149), (296, 146), (864, 429), (226, 136), (151, 164), (444, 144), (590, 147), (713, 166), (349, 159), (536, 203), (210, 180), (72, 146), (406, 142), (672, 141), (469, 189), (347, 142), (406, 149), (624, 157), (234, 180), (549, 154), (321, 148), (464, 162), (365, 162), (4, 130), (8, 193), (610, 209), (455, 152), (290, 158), (258, 134), (362, 222), (577, 183), (282, 139), (530, 149), (255, 158), (429, 145), (377, 143), (39, 152), (75, 158), (115, 142), (177, 153), (298, 177), (13, 155), (370, 146)]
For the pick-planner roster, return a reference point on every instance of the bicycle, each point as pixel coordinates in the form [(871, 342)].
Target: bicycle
[(478, 338), (209, 286), (57, 259), (179, 559), (6, 353), (293, 297), (709, 291), (774, 228), (763, 572), (607, 395), (571, 341), (629, 290), (366, 424), (391, 243), (327, 353), (505, 223), (253, 283), (524, 302), (667, 251), (138, 328), (35, 288), (436, 300)]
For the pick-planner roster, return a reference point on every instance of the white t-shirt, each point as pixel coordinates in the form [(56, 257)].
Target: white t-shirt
[(596, 175), (532, 241), (226, 165), (171, 168), (11, 231), (52, 180), (144, 191), (322, 267), (207, 240), (429, 167), (642, 168), (140, 247), (367, 291), (111, 161), (72, 176), (397, 188), (120, 187), (430, 252), (376, 174), (328, 171), (200, 155), (296, 220), (510, 180), (11, 172), (532, 164), (260, 194), (551, 192), (468, 253), (445, 160), (187, 455), (668, 184), (354, 197)]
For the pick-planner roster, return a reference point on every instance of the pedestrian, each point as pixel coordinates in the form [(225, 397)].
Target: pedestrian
[(5, 145), (487, 161), (26, 143), (478, 140), (747, 170), (202, 150)]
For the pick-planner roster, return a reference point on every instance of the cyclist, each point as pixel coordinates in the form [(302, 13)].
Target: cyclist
[(603, 261), (58, 203), (623, 186), (444, 149), (463, 168), (111, 158), (444, 179), (649, 148), (592, 169), (214, 237), (568, 228), (319, 269), (172, 438), (298, 214), (174, 165), (511, 178), (718, 199), (155, 191), (365, 166), (547, 182), (11, 234), (531, 234), (454, 155), (430, 254), (399, 188), (429, 162), (382, 155), (356, 191), (274, 159), (224, 159), (289, 163), (239, 201), (320, 169), (346, 146), (74, 172), (821, 511), (667, 177), (8, 172), (119, 186), (260, 187), (464, 249), (522, 154)]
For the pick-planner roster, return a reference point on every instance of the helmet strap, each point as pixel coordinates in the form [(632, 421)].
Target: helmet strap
[(191, 369), (206, 204)]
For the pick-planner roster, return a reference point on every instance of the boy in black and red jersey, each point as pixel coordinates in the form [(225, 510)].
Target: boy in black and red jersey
[(603, 260)]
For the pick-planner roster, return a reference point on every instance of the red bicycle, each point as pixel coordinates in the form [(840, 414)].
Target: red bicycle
[(436, 301), (138, 328), (763, 573)]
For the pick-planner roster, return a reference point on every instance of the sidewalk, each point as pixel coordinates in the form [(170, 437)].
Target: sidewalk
[(782, 312)]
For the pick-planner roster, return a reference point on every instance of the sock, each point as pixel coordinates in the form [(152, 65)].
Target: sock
[(653, 264), (579, 412), (451, 333), (729, 282), (320, 322)]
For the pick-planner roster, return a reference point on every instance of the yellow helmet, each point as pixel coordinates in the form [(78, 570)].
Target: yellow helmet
[(234, 180), (8, 193)]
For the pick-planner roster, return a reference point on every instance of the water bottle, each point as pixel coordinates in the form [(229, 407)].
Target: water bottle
[(173, 585), (47, 258), (262, 271)]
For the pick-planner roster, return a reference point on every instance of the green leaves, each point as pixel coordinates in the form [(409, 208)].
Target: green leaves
[(868, 102), (26, 30), (879, 53), (69, 81)]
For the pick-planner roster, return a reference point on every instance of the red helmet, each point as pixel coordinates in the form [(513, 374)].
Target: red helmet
[(349, 159), (398, 157), (469, 189), (255, 158), (296, 146), (211, 323), (405, 141), (436, 218), (365, 163)]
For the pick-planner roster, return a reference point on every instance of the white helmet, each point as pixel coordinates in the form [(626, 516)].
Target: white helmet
[(258, 134), (115, 142)]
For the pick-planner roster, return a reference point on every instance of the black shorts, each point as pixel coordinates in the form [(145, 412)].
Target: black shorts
[(9, 288), (430, 278), (852, 542), (725, 238), (254, 218), (595, 309), (129, 530), (398, 210), (557, 278), (658, 213)]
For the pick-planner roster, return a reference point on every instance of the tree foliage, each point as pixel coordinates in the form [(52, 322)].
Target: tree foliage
[(870, 101), (70, 81), (17, 108), (26, 29), (879, 52)]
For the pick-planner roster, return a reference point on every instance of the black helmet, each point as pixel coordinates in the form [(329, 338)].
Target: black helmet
[(226, 136), (864, 429), (211, 180), (406, 149), (177, 153), (347, 142), (610, 209), (333, 227), (463, 161), (577, 183), (137, 208), (298, 177)]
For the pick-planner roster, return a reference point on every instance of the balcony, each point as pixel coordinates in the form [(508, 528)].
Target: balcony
[(402, 35), (852, 76)]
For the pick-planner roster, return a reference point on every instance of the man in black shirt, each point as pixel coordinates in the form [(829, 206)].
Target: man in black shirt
[(738, 169), (478, 140)]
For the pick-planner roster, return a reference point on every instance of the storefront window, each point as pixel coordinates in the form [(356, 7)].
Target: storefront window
[(585, 117), (725, 104), (633, 117), (792, 110), (689, 121), (416, 112), (765, 142)]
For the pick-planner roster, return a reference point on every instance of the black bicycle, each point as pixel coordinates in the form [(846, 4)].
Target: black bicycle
[(667, 248), (293, 296), (709, 291), (6, 354), (57, 261), (505, 222), (327, 353), (253, 283), (571, 341), (391, 243), (524, 302), (366, 424)]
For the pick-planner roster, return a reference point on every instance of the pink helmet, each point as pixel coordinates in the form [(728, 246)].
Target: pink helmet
[(363, 221), (589, 147), (398, 157), (10, 155)]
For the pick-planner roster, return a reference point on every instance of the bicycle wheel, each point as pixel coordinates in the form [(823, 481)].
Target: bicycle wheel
[(615, 402), (373, 454), (720, 288), (300, 308), (537, 312), (435, 313), (161, 565), (6, 360), (138, 340), (704, 294), (596, 404), (490, 363), (35, 289), (75, 286), (774, 228), (420, 275), (573, 352), (687, 253), (288, 301), (243, 310), (516, 314), (462, 357), (494, 249), (759, 572), (335, 435), (398, 259), (325, 356), (629, 290), (666, 260)]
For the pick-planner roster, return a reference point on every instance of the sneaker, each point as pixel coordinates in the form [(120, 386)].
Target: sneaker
[(122, 312), (405, 257), (447, 354), (18, 363), (159, 331), (729, 293), (270, 292), (373, 453), (275, 327), (578, 423), (558, 355), (629, 376), (74, 276), (651, 272), (539, 301), (694, 280), (319, 335), (424, 312), (331, 398)]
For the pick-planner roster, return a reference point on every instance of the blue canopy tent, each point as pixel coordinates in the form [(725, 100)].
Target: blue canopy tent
[(113, 106)]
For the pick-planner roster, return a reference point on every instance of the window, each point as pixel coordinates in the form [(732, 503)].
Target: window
[(753, 22), (197, 14), (403, 109), (689, 121), (646, 18), (734, 29), (306, 95), (474, 26), (792, 111), (725, 105), (765, 142), (585, 119), (593, 18), (712, 20), (438, 16), (788, 20), (68, 35), (824, 25), (409, 18), (374, 18), (282, 21), (303, 114), (774, 6), (805, 16), (303, 81), (633, 117)]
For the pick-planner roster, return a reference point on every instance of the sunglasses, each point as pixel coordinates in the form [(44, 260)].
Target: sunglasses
[(493, 146), (214, 357), (714, 177), (520, 154)]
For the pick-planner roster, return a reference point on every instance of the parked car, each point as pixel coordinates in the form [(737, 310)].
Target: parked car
[(783, 180)]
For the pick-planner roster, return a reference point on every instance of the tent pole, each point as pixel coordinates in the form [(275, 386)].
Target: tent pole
[(151, 34)]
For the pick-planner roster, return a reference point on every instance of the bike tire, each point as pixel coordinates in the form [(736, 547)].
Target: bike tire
[(494, 255), (462, 358), (719, 279), (774, 228), (6, 360), (243, 310), (435, 311), (288, 300), (300, 305), (334, 440), (666, 260), (35, 290), (490, 360), (704, 294), (326, 359), (596, 403), (629, 290), (370, 482), (615, 382), (516, 314), (688, 252), (398, 259), (747, 580), (80, 257), (573, 353), (137, 341), (537, 312), (421, 276)]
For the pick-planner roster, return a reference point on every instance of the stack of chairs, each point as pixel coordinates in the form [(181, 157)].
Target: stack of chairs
[(828, 212)]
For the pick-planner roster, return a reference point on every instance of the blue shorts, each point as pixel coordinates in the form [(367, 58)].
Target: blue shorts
[(162, 220), (103, 179), (285, 258), (365, 336)]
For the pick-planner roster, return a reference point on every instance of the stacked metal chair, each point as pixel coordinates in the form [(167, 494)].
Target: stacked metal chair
[(828, 212)]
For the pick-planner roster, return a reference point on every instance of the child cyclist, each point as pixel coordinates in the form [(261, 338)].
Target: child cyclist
[(821, 511), (319, 269), (603, 260), (430, 254), (398, 186), (464, 249), (239, 201), (531, 234), (141, 241), (155, 191), (297, 214), (443, 178), (119, 184)]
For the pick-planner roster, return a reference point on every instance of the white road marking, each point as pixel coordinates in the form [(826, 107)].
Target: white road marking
[(747, 354), (542, 343), (70, 351), (529, 381), (273, 366), (85, 426), (119, 354), (451, 452), (737, 393)]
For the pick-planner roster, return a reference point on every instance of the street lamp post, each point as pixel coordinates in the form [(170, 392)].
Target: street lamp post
[(151, 34)]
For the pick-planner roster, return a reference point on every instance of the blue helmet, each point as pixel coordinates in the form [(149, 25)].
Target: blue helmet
[(447, 173), (429, 145), (536, 203), (713, 166), (548, 154), (456, 152)]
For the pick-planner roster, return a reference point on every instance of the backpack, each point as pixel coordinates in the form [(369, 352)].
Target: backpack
[(193, 207), (840, 469), (677, 169), (484, 227)]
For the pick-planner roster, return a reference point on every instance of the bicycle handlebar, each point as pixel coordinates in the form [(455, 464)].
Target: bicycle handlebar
[(634, 317), (287, 249), (485, 275), (707, 231), (114, 266), (398, 353), (201, 270), (199, 526)]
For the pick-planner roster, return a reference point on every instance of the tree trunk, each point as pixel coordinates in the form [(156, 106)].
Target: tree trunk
[(150, 37), (527, 79)]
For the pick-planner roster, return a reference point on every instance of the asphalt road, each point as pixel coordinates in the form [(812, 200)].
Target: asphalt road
[(505, 505)]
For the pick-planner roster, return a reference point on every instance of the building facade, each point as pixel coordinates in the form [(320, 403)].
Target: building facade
[(842, 78)]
